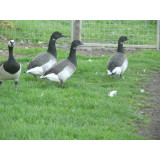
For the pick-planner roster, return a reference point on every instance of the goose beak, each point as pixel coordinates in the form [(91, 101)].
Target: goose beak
[(12, 44), (82, 43), (64, 36)]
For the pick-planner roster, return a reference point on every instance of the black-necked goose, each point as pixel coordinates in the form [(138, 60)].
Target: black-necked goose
[(118, 62), (10, 69), (64, 69), (44, 61)]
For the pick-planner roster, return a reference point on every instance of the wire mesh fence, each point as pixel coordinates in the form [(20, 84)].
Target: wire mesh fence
[(34, 31), (93, 32), (108, 32)]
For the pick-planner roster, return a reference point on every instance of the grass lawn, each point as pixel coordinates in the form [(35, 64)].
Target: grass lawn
[(98, 31), (109, 31), (83, 110)]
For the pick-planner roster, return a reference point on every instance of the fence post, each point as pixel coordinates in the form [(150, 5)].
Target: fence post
[(158, 34), (72, 30), (77, 34), (76, 30)]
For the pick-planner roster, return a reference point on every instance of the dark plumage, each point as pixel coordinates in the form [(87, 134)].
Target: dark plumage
[(64, 69), (10, 69), (44, 61), (118, 62)]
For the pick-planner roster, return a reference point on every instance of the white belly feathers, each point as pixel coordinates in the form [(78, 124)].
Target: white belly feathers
[(7, 76), (39, 71), (61, 76), (66, 73), (124, 66), (119, 70)]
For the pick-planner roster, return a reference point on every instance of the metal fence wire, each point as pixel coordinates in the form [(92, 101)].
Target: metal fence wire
[(35, 31), (107, 32), (141, 33)]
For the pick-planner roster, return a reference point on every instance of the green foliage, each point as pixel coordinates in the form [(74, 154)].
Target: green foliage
[(83, 110)]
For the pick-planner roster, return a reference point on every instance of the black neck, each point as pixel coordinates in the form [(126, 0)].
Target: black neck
[(52, 46), (11, 57), (11, 66), (120, 47), (72, 55)]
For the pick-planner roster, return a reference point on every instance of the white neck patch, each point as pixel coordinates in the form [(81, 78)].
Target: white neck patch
[(74, 47), (121, 42), (53, 39), (11, 41)]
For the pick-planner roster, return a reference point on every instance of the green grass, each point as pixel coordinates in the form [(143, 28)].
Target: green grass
[(34, 31), (83, 110), (97, 31), (108, 32)]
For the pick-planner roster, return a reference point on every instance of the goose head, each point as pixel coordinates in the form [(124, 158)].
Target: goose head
[(57, 35), (122, 39), (76, 43), (11, 43)]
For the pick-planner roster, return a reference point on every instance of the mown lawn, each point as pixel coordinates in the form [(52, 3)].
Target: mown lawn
[(139, 32), (83, 110)]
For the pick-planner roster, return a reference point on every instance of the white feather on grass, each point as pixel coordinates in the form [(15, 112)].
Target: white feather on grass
[(112, 93), (89, 60)]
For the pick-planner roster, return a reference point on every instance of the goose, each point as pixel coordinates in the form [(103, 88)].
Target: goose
[(118, 62), (64, 69), (10, 69), (42, 62)]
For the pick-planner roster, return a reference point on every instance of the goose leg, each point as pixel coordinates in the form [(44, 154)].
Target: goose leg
[(16, 84), (113, 77), (35, 77), (62, 86)]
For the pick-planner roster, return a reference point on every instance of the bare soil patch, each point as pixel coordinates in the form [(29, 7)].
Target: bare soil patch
[(152, 130), (102, 51)]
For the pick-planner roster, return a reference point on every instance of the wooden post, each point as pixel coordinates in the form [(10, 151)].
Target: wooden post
[(72, 30), (158, 34), (76, 30), (77, 34)]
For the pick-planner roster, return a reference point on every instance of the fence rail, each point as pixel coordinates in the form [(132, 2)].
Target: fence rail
[(93, 33), (158, 35)]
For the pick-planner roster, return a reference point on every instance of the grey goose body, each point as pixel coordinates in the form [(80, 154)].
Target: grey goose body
[(42, 62), (64, 69), (10, 69), (118, 62)]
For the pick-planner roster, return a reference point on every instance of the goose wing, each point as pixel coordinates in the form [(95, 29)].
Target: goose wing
[(58, 67), (39, 60), (116, 60)]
